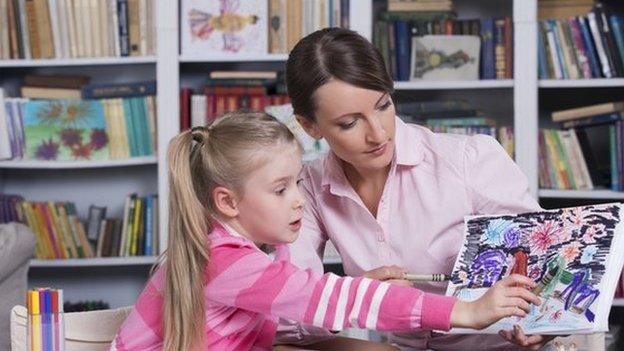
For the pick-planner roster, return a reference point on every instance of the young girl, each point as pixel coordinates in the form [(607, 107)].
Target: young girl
[(233, 197)]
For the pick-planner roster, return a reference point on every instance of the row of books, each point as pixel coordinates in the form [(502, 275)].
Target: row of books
[(396, 34), (69, 130), (589, 150), (227, 91), (590, 46), (43, 29), (291, 20), (61, 235), (263, 26), (136, 234)]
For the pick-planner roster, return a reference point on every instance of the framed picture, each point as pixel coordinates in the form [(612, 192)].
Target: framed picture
[(445, 57)]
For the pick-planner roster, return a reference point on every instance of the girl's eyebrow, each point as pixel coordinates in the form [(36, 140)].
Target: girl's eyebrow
[(282, 179)]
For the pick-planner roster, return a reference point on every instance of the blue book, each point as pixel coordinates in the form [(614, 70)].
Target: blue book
[(149, 230), (541, 57), (617, 27), (487, 49), (590, 48), (558, 48), (109, 91), (403, 39), (130, 128)]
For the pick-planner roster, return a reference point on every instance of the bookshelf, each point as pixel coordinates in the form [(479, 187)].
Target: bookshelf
[(518, 100)]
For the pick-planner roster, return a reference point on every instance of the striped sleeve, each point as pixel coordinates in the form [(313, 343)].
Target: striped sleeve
[(279, 288)]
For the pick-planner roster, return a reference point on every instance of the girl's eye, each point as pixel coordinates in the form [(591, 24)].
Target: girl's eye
[(347, 125), (280, 191), (299, 181), (385, 106)]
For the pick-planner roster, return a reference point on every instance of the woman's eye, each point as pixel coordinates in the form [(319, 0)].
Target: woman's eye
[(385, 106), (347, 125)]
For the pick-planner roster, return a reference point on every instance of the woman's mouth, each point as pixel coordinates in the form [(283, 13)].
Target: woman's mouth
[(378, 151)]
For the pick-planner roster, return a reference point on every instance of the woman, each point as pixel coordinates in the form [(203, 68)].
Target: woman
[(390, 196)]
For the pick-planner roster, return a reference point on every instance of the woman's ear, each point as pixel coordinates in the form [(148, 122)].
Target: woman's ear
[(310, 127), (225, 202)]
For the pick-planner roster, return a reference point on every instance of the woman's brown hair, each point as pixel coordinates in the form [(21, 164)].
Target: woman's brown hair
[(333, 53)]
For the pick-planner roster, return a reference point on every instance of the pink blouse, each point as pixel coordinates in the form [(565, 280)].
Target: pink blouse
[(434, 181)]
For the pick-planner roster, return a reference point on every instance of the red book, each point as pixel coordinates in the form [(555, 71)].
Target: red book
[(508, 48), (185, 109)]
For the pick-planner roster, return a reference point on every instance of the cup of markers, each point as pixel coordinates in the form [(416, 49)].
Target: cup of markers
[(46, 324)]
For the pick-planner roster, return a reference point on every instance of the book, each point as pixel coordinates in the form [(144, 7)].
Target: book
[(50, 93), (56, 81), (65, 130), (572, 253), (444, 57), (134, 89), (224, 27), (587, 111)]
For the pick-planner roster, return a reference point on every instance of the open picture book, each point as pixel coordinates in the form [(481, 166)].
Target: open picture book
[(574, 254)]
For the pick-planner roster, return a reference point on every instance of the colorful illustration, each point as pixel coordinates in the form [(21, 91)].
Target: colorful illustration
[(445, 57), (569, 252), (227, 26), (65, 130)]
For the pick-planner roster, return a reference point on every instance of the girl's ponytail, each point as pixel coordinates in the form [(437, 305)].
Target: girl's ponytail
[(187, 252)]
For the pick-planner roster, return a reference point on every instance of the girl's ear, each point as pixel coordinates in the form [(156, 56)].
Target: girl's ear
[(310, 127), (225, 201)]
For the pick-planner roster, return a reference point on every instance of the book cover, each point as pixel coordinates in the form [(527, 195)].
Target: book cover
[(571, 253), (224, 26), (65, 130), (445, 57)]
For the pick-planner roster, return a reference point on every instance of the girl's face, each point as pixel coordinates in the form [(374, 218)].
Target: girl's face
[(357, 123), (271, 207)]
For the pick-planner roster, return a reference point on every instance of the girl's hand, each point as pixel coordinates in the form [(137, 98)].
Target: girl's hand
[(508, 297), (529, 342)]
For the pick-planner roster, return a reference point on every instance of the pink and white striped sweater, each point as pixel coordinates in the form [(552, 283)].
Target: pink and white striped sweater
[(247, 291)]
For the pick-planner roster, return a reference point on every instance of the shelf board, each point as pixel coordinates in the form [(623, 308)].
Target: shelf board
[(234, 58), (95, 262), (618, 302), (95, 61), (134, 161), (581, 194), (581, 83), (465, 84)]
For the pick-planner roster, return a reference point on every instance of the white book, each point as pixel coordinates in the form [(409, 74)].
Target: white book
[(143, 27), (71, 28), (5, 145), (56, 29), (114, 28), (94, 29), (5, 52), (198, 110), (24, 29), (151, 27), (602, 54), (78, 16), (63, 27), (568, 148), (573, 254), (150, 104), (581, 157), (203, 33), (103, 31)]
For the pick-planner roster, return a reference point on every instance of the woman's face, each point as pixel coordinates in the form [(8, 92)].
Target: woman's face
[(357, 123)]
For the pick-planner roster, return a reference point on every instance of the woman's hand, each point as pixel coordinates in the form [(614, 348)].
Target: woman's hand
[(508, 297), (391, 274), (530, 342)]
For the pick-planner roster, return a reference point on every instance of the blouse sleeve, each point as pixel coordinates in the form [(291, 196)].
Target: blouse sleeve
[(496, 185)]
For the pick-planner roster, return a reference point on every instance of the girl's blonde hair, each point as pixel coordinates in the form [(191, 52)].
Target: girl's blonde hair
[(198, 161)]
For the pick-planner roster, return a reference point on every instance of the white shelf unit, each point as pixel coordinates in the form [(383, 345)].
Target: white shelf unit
[(95, 262), (97, 183), (600, 194)]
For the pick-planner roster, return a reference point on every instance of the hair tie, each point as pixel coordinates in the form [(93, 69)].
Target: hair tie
[(199, 133)]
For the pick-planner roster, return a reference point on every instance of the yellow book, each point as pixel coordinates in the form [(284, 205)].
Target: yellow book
[(32, 224), (121, 128), (56, 227), (138, 215), (71, 237), (43, 231)]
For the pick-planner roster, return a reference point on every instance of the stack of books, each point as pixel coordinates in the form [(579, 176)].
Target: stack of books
[(456, 117), (395, 34), (420, 5), (589, 45), (587, 152), (45, 29), (86, 122), (227, 91), (551, 9)]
